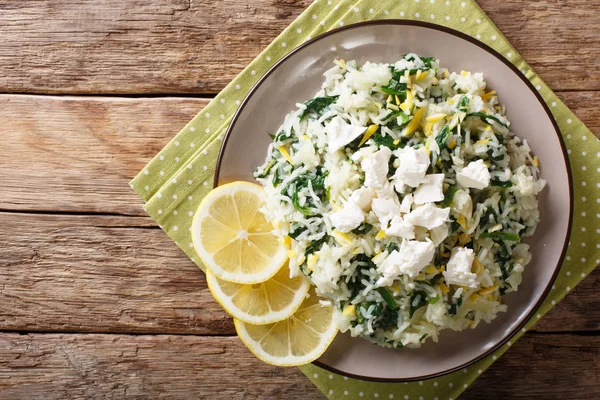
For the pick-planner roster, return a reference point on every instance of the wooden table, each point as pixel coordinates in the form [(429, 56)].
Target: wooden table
[(96, 301)]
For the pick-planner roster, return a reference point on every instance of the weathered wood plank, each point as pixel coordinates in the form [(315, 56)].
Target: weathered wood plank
[(78, 154), (544, 367), (100, 274), (65, 273), (55, 366), (141, 367), (182, 46)]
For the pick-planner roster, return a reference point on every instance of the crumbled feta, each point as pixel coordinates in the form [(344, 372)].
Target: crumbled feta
[(348, 218), (439, 234), (399, 227), (407, 202), (428, 216), (430, 190), (410, 260), (475, 175), (305, 154), (385, 210), (376, 168), (458, 269), (462, 203), (341, 133), (363, 152), (412, 168), (363, 198)]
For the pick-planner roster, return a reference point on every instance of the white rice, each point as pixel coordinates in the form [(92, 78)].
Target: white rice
[(347, 268)]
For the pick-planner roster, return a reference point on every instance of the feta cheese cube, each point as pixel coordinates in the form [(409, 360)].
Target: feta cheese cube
[(458, 270), (462, 203), (363, 198), (340, 133), (399, 227), (430, 190), (348, 218), (385, 210), (410, 260), (363, 152), (475, 175), (305, 154), (439, 234), (428, 216), (413, 166), (406, 204), (376, 168)]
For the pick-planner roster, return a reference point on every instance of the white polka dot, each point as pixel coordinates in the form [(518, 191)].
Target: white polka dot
[(159, 195), (553, 302), (146, 172), (417, 15), (313, 17), (465, 386), (478, 36), (583, 183), (435, 383), (386, 12), (391, 396), (463, 19), (161, 173), (283, 44), (478, 21), (190, 166), (447, 2), (420, 383), (450, 384), (508, 343), (205, 183), (361, 394), (176, 143), (160, 211), (371, 11), (175, 228), (405, 396), (317, 375), (509, 54), (584, 137), (568, 273), (432, 16), (569, 121), (375, 394), (341, 23), (345, 378), (190, 213), (494, 37), (190, 182), (356, 9), (569, 136), (269, 58), (553, 104), (174, 180), (538, 87), (189, 197), (299, 30), (176, 159), (582, 244), (583, 168), (463, 4), (205, 152), (416, 1), (237, 102), (207, 130), (494, 358), (568, 151), (146, 187), (222, 101), (447, 18), (568, 288), (583, 275), (322, 23), (253, 72), (161, 158), (402, 13), (432, 1), (330, 391), (174, 197), (583, 153), (191, 244), (336, 7), (345, 393), (330, 376)]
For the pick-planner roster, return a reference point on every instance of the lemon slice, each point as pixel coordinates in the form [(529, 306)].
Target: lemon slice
[(233, 238), (261, 303), (298, 340)]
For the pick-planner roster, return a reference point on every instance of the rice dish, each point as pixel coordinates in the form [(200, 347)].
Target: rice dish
[(403, 196)]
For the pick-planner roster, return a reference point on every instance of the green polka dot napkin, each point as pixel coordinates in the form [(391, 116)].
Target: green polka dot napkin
[(176, 180)]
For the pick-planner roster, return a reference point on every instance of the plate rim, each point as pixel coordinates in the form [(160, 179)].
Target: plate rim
[(539, 98)]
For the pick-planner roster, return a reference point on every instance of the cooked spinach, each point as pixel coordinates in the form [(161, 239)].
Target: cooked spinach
[(386, 141), (315, 245), (463, 104), (449, 195), (355, 284), (363, 229), (512, 237), (499, 183), (487, 118), (442, 137), (318, 105), (276, 178), (394, 86), (316, 178), (267, 169), (417, 300), (296, 230), (388, 298)]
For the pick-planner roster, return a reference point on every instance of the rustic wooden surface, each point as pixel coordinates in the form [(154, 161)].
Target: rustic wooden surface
[(96, 301)]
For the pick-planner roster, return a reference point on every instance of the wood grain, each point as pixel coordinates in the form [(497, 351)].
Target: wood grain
[(141, 367), (86, 273), (96, 366), (78, 154), (184, 46), (80, 273)]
